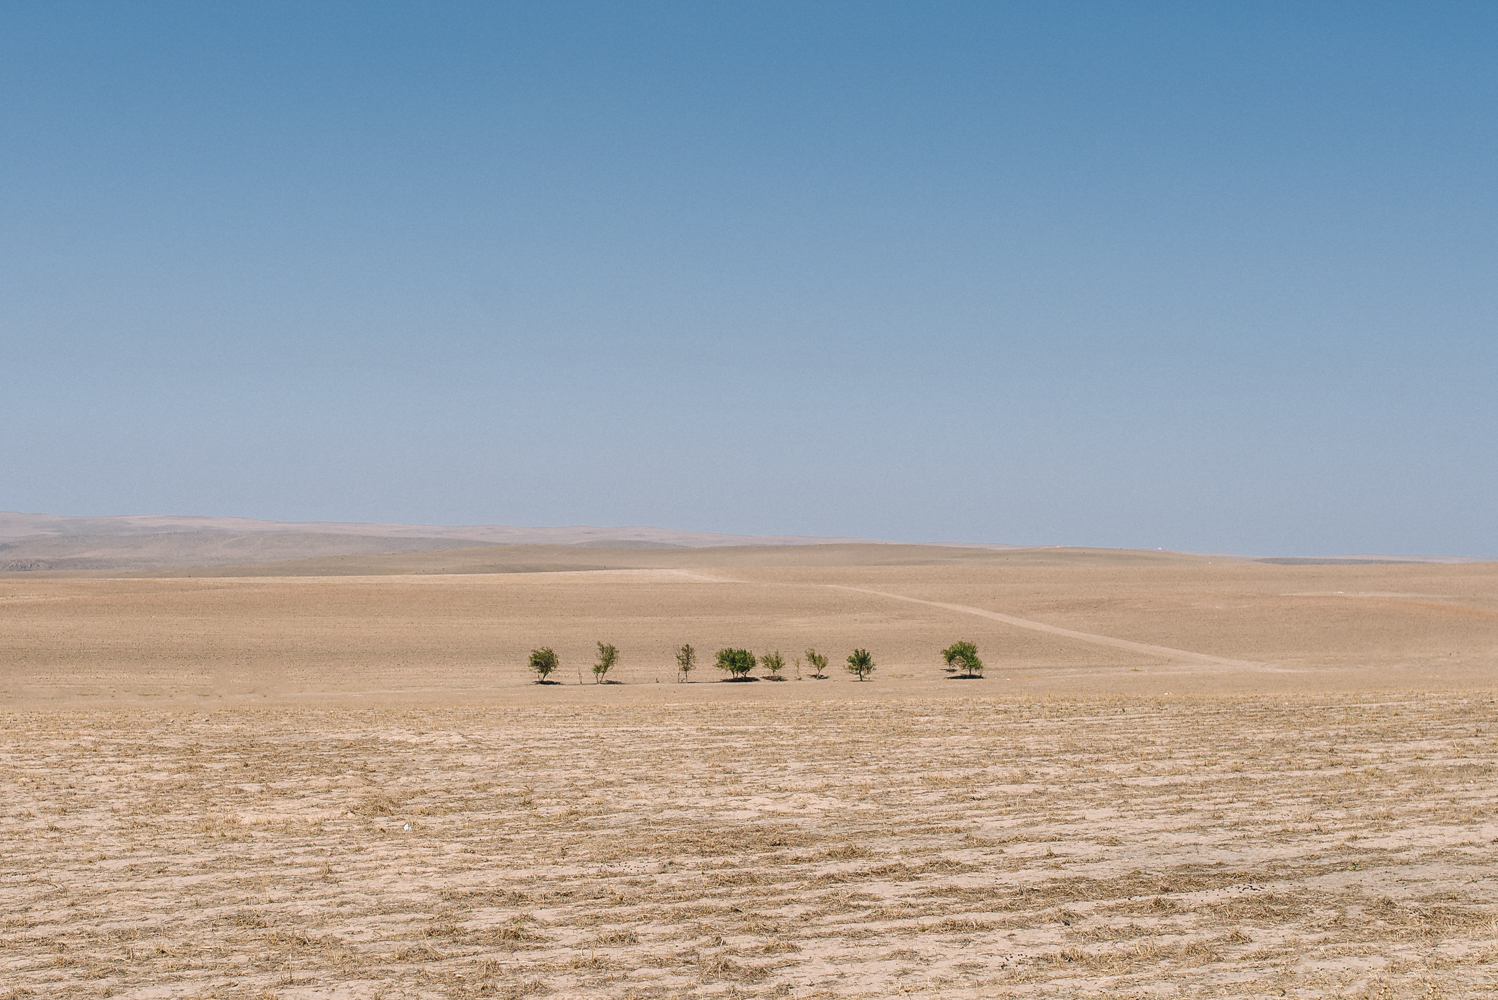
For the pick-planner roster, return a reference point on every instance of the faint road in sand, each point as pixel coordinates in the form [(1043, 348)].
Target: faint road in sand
[(1101, 640)]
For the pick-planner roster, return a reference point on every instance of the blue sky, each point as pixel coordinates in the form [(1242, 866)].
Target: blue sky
[(1205, 277)]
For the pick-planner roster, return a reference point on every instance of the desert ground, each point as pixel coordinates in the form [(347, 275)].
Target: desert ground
[(334, 777)]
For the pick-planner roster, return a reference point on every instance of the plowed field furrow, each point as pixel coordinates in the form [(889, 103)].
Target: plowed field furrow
[(956, 847)]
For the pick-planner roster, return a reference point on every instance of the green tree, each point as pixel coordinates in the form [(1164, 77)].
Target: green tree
[(860, 663), (817, 662), (544, 662), (737, 662), (607, 657), (774, 663), (686, 659), (963, 655)]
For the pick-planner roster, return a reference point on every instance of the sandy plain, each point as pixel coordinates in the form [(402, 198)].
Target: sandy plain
[(332, 778)]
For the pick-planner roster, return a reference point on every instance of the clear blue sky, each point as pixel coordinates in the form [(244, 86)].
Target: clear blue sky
[(1198, 276)]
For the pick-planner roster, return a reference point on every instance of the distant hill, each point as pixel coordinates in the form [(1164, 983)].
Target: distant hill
[(143, 542), (147, 543)]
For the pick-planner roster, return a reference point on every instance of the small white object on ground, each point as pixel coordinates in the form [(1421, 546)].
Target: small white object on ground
[(406, 827)]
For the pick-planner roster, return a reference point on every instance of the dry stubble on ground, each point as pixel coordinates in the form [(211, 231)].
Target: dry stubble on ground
[(809, 846)]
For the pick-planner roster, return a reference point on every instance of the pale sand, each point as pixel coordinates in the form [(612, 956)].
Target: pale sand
[(1179, 777)]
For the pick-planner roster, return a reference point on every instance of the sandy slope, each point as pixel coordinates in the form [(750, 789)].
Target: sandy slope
[(1064, 621)]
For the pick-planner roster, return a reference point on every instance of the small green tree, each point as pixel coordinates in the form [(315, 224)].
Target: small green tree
[(860, 663), (774, 663), (737, 662), (544, 662), (686, 659), (818, 664), (963, 655), (607, 657)]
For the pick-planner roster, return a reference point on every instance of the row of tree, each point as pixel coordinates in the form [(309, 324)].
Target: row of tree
[(961, 656), (738, 663)]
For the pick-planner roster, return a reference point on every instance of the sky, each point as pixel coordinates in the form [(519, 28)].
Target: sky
[(1208, 277)]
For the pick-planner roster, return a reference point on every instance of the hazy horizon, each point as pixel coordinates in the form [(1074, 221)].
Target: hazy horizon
[(1206, 280), (626, 535)]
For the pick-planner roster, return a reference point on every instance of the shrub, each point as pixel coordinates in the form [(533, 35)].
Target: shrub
[(686, 659), (860, 663), (774, 663), (818, 664), (607, 657), (543, 662), (963, 655), (738, 662)]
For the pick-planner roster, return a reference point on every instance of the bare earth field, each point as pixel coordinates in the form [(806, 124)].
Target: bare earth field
[(1180, 777)]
